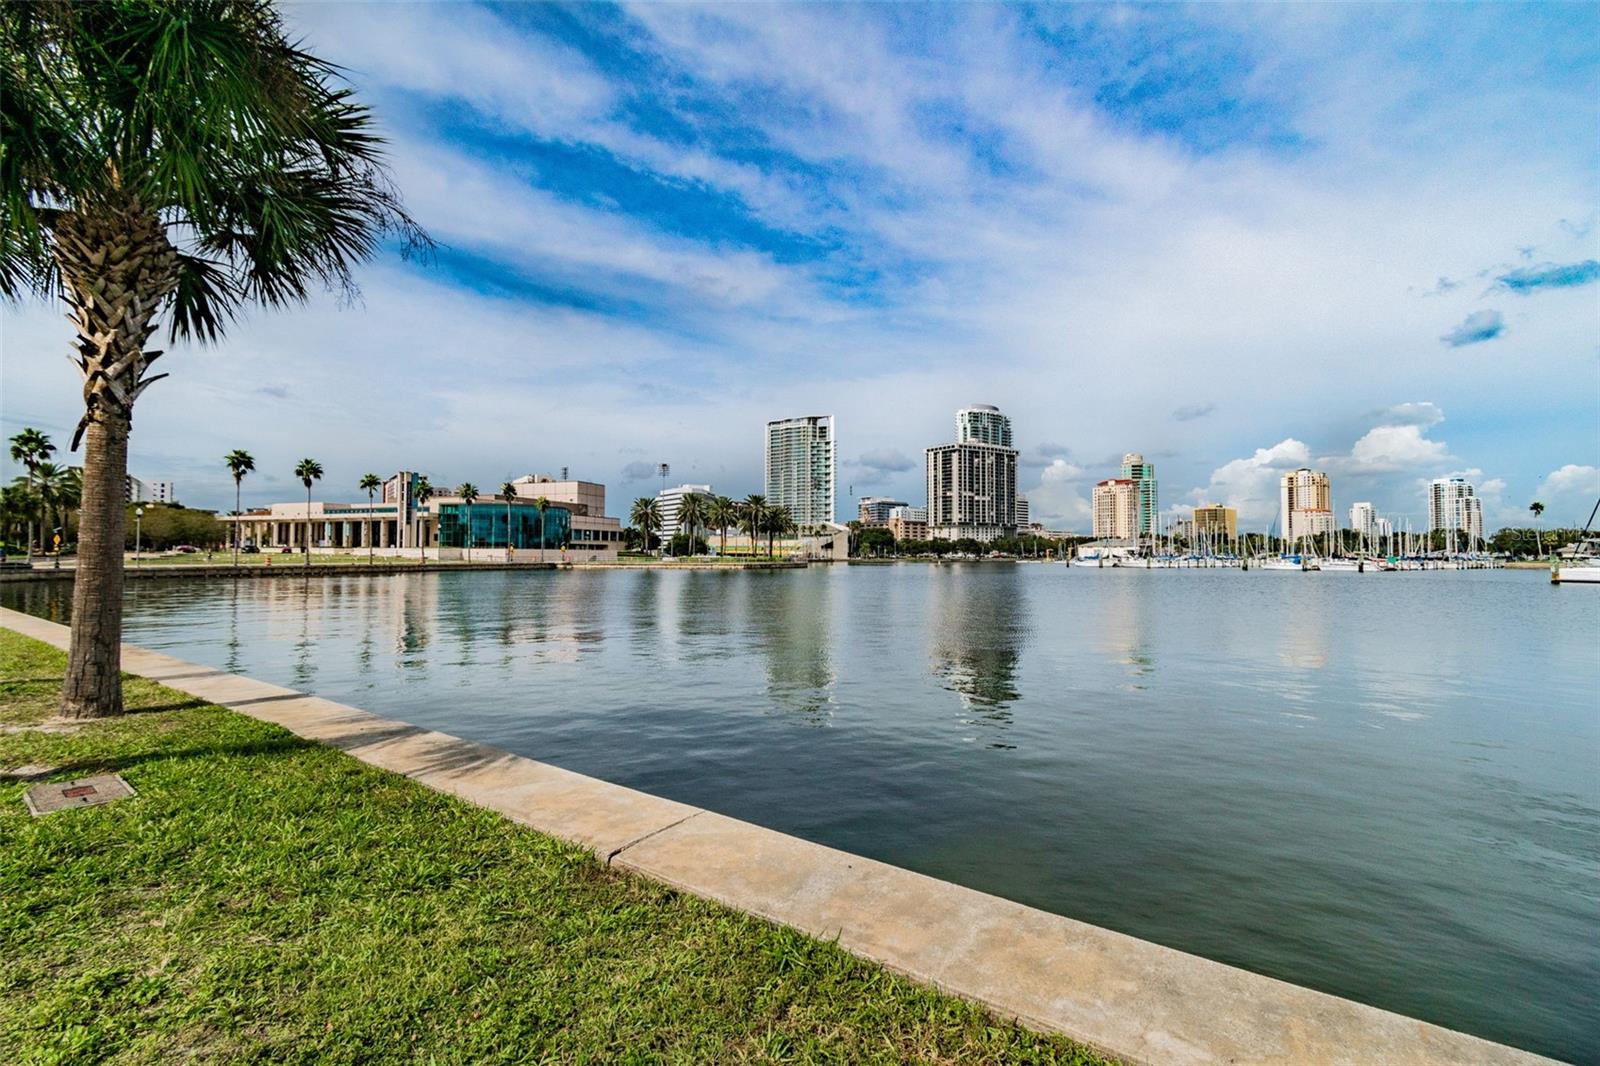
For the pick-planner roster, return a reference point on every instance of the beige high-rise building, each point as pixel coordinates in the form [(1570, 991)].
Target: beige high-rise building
[(1215, 520), (1305, 504), (1116, 509)]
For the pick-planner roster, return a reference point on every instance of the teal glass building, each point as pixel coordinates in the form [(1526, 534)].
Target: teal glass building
[(490, 528)]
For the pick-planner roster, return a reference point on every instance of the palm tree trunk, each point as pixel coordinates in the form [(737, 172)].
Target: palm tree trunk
[(237, 525), (116, 267), (308, 527), (93, 685)]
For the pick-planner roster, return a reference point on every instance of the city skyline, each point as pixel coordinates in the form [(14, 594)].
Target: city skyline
[(1243, 258)]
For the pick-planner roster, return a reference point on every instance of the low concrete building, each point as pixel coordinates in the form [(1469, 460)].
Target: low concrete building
[(491, 528), (909, 523)]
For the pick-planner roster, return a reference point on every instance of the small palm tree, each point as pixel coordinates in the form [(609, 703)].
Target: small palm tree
[(691, 513), (308, 470), (422, 492), (371, 483), (508, 492), (646, 517), (1538, 513), (239, 463), (179, 160), (30, 448), (468, 493), (753, 517), (721, 513), (542, 504)]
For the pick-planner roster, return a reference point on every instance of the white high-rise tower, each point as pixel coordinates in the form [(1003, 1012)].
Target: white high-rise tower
[(801, 464)]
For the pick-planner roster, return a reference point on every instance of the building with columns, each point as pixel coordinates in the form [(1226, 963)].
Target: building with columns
[(393, 523)]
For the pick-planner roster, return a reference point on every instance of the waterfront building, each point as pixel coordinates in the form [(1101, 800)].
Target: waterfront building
[(669, 500), (982, 423), (972, 491), (1215, 520), (393, 523), (1135, 469), (875, 510), (1305, 504), (1023, 519), (1115, 507), (1454, 504), (801, 467), (909, 523), (584, 500)]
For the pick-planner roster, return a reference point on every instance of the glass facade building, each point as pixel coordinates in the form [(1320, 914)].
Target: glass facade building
[(490, 530)]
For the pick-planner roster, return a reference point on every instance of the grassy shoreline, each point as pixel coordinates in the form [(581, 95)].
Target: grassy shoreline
[(265, 898)]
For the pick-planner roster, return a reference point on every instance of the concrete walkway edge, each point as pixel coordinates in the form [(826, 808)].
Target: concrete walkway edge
[(1126, 997)]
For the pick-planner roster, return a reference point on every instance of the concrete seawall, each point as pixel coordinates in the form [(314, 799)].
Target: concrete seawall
[(1129, 998)]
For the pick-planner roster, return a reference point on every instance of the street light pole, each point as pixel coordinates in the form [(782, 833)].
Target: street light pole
[(138, 532)]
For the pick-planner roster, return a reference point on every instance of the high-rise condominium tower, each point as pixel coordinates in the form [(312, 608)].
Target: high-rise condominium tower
[(972, 484), (1305, 504), (1143, 474), (801, 464), (1453, 504), (983, 423), (1116, 509)]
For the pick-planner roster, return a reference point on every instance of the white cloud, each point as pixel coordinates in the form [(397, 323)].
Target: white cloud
[(1251, 484), (1389, 448)]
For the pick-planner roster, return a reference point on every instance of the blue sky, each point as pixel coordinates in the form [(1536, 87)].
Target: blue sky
[(1235, 238)]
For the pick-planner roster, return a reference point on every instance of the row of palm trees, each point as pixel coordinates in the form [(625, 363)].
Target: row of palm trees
[(698, 511), (44, 495)]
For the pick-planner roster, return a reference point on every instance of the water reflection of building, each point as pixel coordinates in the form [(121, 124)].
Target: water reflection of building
[(977, 627), (792, 618), (1122, 629)]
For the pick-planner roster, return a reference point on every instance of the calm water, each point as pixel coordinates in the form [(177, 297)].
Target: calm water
[(1384, 786)]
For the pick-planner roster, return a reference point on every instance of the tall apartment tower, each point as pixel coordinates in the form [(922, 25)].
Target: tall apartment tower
[(1305, 504), (972, 491), (1116, 509), (972, 484), (1453, 504), (1364, 519), (801, 467), (1135, 469), (982, 423)]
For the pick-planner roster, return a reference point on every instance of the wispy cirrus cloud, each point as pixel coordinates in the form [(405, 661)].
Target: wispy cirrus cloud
[(1526, 280), (1191, 411)]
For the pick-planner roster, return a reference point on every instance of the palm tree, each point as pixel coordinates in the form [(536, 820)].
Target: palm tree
[(780, 522), (30, 448), (508, 492), (468, 493), (542, 504), (1538, 513), (239, 463), (16, 505), (646, 517), (422, 492), (753, 517), (721, 513), (179, 160), (691, 513), (371, 483), (53, 487), (308, 470)]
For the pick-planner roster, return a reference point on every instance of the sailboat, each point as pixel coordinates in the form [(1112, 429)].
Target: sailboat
[(1582, 567)]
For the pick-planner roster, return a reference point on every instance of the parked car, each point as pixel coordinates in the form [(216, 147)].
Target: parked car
[(186, 549), (250, 549), (285, 550)]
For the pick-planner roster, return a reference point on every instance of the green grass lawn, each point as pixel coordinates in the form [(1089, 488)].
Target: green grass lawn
[(266, 899)]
